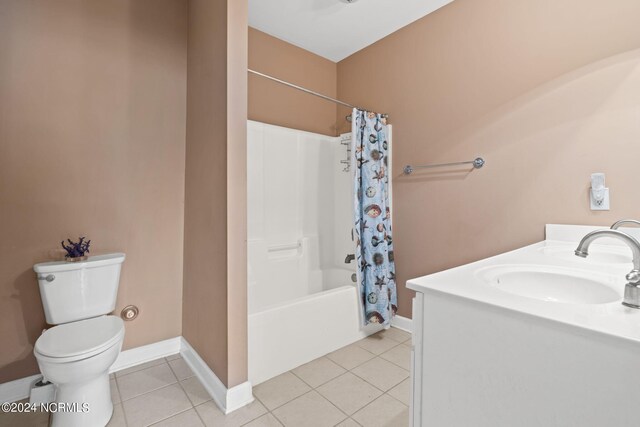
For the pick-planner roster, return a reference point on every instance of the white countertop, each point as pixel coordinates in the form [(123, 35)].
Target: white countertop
[(612, 318)]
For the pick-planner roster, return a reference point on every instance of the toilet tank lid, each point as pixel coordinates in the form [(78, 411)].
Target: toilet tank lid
[(84, 337), (91, 262)]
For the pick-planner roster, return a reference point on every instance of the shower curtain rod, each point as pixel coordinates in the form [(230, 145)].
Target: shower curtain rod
[(303, 89)]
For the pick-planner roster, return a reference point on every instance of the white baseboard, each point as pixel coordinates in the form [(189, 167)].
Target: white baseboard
[(17, 389), (228, 400), (146, 353), (403, 323)]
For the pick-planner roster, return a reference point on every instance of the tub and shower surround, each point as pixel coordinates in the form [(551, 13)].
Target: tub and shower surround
[(303, 302)]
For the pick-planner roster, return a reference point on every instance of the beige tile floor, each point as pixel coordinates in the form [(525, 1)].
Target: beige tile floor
[(364, 384)]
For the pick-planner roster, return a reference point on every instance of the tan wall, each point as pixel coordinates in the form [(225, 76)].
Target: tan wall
[(270, 102), (547, 91), (214, 289), (92, 140)]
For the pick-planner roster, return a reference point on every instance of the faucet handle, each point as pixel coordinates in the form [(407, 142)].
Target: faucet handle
[(634, 276)]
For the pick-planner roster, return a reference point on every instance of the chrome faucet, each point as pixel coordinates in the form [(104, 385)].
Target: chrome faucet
[(622, 222), (349, 258), (632, 289)]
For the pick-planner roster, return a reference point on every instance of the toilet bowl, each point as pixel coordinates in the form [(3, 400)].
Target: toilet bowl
[(76, 358)]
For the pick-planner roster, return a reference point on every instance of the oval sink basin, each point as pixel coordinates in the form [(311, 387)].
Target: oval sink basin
[(598, 254), (554, 284)]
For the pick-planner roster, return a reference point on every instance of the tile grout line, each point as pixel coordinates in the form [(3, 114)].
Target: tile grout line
[(265, 407), (350, 418), (361, 348), (387, 392), (321, 395), (288, 401), (115, 374), (171, 416), (261, 402), (381, 358), (174, 372), (392, 362), (373, 385), (262, 415), (178, 381), (368, 383), (319, 385), (124, 415), (374, 357), (148, 392), (394, 398), (193, 405), (181, 388), (191, 401), (304, 394), (378, 355)]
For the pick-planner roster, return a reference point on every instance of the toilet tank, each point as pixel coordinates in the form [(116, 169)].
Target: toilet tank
[(72, 291)]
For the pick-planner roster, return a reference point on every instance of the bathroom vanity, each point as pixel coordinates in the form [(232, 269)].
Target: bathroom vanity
[(533, 337)]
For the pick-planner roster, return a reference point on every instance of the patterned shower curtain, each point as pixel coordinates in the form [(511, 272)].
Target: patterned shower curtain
[(372, 218)]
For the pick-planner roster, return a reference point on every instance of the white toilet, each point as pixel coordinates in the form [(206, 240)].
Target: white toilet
[(76, 354)]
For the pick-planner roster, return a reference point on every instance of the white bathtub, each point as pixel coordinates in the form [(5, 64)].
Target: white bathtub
[(286, 335), (301, 299)]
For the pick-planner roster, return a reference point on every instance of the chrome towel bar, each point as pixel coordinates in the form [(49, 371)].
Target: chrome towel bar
[(477, 163)]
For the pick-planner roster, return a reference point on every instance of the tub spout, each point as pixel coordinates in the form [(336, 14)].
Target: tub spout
[(349, 258)]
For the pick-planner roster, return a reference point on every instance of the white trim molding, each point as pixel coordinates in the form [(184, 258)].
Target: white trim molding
[(146, 353), (228, 400), (18, 389), (403, 323)]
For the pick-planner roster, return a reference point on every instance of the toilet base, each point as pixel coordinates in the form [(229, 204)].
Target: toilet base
[(82, 405), (83, 392)]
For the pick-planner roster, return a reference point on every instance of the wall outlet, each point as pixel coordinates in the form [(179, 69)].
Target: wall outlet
[(601, 203)]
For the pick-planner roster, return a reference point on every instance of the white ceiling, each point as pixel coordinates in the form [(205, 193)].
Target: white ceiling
[(334, 29)]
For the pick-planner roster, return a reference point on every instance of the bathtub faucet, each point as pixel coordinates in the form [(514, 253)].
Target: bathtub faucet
[(632, 289), (349, 258)]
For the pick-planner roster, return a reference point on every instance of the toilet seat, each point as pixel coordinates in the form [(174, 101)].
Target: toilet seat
[(80, 340)]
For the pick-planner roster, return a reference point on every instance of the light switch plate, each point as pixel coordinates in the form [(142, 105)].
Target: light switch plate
[(604, 206)]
